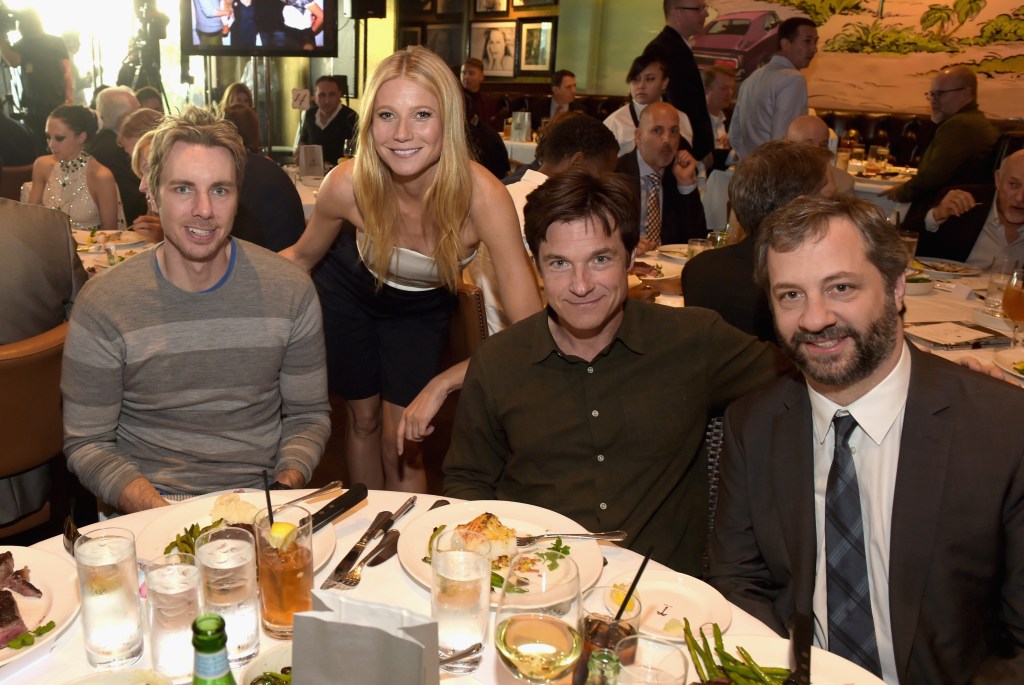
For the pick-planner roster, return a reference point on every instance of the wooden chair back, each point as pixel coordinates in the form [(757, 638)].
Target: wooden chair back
[(11, 178)]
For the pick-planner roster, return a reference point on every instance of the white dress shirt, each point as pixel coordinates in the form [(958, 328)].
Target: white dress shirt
[(991, 243), (875, 445)]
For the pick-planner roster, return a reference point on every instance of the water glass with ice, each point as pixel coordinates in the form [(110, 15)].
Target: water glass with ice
[(460, 594), (108, 583), (172, 589), (227, 572)]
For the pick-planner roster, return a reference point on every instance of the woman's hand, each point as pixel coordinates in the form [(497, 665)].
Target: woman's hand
[(415, 424), (149, 227)]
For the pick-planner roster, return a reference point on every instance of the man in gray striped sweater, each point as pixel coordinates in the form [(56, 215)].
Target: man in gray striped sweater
[(195, 365)]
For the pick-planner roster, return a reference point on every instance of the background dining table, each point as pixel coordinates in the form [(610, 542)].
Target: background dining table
[(386, 584)]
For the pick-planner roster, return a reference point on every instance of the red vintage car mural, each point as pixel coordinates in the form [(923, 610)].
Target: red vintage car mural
[(741, 40)]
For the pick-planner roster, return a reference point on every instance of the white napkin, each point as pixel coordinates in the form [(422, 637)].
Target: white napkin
[(349, 641)]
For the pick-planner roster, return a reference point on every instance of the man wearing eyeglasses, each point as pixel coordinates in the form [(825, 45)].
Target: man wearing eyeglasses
[(683, 19), (959, 154)]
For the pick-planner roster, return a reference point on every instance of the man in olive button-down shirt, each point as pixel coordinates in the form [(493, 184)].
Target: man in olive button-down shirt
[(596, 408)]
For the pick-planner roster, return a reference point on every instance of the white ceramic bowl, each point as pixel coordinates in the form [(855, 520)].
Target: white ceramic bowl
[(273, 659), (920, 288)]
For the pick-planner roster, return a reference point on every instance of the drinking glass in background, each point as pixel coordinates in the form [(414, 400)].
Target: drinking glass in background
[(878, 157), (285, 559), (856, 163), (999, 276), (1013, 303), (909, 239), (172, 588), (843, 158), (535, 630), (227, 569), (718, 239), (598, 625), (647, 660), (460, 594), (108, 584), (697, 245)]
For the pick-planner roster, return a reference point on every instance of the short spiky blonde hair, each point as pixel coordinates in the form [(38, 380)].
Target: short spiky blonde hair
[(447, 201)]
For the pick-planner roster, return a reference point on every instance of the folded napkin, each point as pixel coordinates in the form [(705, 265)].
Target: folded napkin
[(349, 641)]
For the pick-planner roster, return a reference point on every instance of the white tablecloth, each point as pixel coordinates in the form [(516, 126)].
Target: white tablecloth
[(387, 583), (522, 152)]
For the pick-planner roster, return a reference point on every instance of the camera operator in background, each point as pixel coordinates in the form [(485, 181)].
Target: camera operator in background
[(45, 69)]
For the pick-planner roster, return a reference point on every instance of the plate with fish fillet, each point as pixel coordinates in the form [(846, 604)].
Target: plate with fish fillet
[(500, 522), (36, 587)]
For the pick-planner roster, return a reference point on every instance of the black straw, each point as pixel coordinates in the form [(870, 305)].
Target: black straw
[(266, 491), (636, 581)]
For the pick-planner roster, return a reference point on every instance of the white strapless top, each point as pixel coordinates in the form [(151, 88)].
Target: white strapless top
[(409, 269)]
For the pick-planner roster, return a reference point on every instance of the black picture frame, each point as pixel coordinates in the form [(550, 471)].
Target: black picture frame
[(407, 35), (448, 42), (527, 4), (450, 8), (536, 46), (490, 8), (503, 63)]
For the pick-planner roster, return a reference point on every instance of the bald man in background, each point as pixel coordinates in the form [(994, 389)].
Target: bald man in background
[(814, 131)]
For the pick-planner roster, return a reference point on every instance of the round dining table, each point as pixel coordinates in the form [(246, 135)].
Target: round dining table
[(386, 584)]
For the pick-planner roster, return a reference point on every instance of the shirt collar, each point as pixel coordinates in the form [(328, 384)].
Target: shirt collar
[(875, 412), (629, 334), (784, 61), (645, 168)]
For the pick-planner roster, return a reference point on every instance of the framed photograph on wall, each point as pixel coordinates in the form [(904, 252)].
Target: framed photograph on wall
[(446, 40), (408, 35), (450, 7), (537, 45), (534, 3), (494, 7), (494, 43)]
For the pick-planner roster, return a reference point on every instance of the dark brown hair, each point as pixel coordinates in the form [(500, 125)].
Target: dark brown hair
[(247, 122)]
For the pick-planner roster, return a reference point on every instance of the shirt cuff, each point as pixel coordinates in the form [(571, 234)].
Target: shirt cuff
[(686, 190), (931, 224)]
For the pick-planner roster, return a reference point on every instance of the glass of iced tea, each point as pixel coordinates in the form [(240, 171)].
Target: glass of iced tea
[(285, 560), (599, 626), (1013, 303)]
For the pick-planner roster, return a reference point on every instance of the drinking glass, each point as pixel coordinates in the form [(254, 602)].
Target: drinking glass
[(599, 626), (998, 277), (285, 560), (878, 155), (697, 245), (460, 594), (843, 158), (1013, 303), (108, 584), (536, 627), (172, 588), (227, 570), (647, 660), (909, 239)]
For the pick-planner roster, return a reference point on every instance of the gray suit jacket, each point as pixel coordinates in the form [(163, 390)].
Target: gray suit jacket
[(40, 276), (956, 567)]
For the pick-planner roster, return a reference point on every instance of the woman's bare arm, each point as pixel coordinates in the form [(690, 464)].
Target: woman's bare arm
[(335, 203), (100, 183), (41, 169)]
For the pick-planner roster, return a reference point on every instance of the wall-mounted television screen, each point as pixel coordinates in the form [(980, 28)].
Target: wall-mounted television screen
[(303, 28)]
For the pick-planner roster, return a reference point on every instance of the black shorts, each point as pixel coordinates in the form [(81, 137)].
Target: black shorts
[(388, 341)]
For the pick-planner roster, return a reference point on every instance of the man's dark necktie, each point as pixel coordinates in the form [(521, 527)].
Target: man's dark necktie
[(851, 629), (653, 232)]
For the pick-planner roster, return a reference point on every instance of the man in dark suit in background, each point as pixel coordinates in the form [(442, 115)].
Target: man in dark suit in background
[(978, 224), (663, 167), (683, 19), (329, 124), (114, 105), (884, 495), (561, 100)]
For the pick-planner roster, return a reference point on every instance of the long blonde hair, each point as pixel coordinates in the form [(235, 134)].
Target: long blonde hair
[(447, 200)]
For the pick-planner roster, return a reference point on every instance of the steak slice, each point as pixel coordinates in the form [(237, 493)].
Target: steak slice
[(6, 567), (19, 583), (11, 625)]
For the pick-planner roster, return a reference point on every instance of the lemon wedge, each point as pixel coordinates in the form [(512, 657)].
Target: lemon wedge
[(282, 534), (619, 593)]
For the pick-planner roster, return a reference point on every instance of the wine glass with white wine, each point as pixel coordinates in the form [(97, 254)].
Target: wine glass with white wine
[(536, 627), (1013, 303)]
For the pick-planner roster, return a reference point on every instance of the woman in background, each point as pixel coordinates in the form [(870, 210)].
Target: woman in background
[(236, 94), (408, 214), (69, 179)]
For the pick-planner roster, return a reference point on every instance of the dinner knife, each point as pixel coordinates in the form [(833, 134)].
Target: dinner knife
[(350, 559), (399, 513), (338, 506), (801, 633), (393, 546)]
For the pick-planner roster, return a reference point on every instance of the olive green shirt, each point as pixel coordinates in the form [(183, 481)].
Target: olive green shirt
[(613, 443)]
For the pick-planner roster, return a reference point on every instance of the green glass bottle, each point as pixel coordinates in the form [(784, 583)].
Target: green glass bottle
[(603, 668), (211, 645)]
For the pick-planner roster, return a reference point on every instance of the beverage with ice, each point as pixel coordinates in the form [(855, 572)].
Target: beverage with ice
[(460, 594), (285, 567), (109, 588), (227, 568), (599, 626), (172, 588)]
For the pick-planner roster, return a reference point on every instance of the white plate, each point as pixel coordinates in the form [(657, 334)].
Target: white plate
[(1005, 359), (665, 595), (56, 578), (136, 676), (677, 253), (526, 519), (151, 541), (960, 269), (126, 239), (273, 660), (772, 652)]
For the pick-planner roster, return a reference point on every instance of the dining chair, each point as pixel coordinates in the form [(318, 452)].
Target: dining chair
[(713, 439), (11, 178), (30, 414), (468, 325)]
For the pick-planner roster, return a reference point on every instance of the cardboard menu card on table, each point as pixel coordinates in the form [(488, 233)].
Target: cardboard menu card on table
[(349, 641)]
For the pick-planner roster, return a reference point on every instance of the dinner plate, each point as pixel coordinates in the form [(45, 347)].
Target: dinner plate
[(151, 540), (123, 239), (666, 595), (676, 252), (669, 270), (56, 578), (773, 652), (944, 268), (526, 519), (135, 676), (1005, 359)]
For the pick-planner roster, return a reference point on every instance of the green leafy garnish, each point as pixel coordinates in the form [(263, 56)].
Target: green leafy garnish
[(28, 639), (185, 541), (555, 553)]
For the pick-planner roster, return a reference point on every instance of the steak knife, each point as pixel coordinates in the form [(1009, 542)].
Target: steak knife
[(338, 506), (393, 547), (350, 559)]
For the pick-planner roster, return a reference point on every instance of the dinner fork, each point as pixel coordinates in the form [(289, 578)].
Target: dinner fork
[(612, 535), (352, 578), (70, 534)]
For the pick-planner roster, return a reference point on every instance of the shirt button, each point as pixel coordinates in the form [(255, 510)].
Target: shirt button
[(595, 413), (603, 505), (590, 369), (853, 450), (600, 457)]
